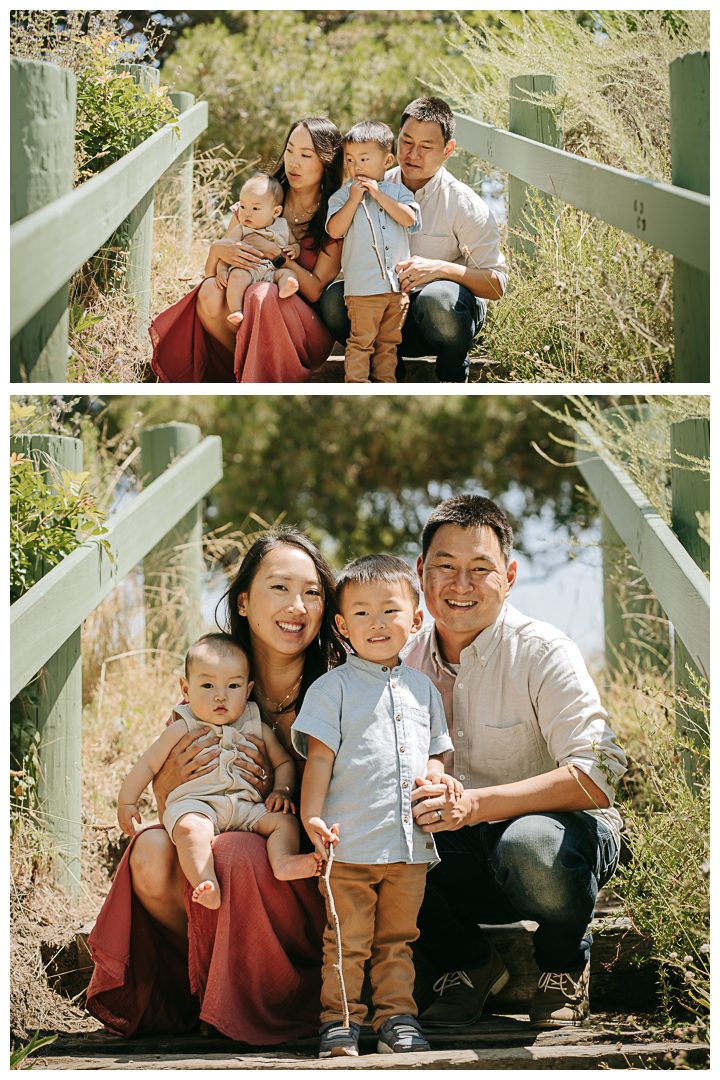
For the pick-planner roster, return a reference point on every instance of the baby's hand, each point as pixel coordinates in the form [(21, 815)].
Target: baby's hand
[(221, 275), (127, 814), (291, 251), (370, 185), (279, 801)]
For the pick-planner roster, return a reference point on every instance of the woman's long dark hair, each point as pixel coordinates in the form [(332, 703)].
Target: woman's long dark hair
[(326, 650), (327, 142)]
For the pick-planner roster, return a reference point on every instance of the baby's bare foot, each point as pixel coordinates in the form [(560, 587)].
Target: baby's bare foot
[(298, 866), (235, 317), (291, 286), (207, 894)]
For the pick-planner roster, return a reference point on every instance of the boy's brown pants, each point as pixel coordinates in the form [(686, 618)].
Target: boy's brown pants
[(376, 323), (377, 907)]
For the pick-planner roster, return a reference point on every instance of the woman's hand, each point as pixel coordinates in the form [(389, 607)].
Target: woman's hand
[(436, 809), (246, 256), (194, 755), (258, 771)]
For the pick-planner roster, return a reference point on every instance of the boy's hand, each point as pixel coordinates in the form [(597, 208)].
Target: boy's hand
[(278, 801), (320, 835), (357, 190), (455, 788), (127, 814), (369, 185), (221, 275)]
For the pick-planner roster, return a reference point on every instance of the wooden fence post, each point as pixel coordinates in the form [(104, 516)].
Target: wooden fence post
[(173, 569), (42, 146), (59, 714), (690, 153), (176, 187), (139, 226), (533, 121), (690, 494)]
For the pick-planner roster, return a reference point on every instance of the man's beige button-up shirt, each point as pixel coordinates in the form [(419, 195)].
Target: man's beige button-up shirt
[(454, 217), (522, 703)]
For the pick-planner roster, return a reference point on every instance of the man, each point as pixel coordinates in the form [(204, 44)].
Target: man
[(456, 264), (534, 836)]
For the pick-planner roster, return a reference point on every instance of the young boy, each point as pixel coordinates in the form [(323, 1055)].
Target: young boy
[(375, 239), (367, 729), (216, 687), (259, 207)]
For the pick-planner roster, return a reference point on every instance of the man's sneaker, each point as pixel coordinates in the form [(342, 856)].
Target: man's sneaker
[(462, 994), (339, 1041), (401, 1035), (561, 999)]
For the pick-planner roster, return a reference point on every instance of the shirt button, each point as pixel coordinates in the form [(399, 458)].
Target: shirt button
[(383, 226), (394, 685), (460, 686), (482, 658), (461, 776), (386, 669), (405, 783), (460, 734), (398, 717), (402, 749), (406, 819)]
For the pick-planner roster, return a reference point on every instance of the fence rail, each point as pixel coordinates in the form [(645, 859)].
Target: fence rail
[(675, 578), (83, 220)]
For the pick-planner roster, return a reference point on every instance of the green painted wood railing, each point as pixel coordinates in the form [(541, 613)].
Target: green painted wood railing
[(59, 234), (674, 217), (677, 581), (45, 622)]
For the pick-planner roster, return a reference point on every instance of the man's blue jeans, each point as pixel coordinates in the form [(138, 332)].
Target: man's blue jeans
[(545, 867), (444, 318)]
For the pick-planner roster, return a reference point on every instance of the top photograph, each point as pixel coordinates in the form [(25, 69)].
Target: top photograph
[(360, 196)]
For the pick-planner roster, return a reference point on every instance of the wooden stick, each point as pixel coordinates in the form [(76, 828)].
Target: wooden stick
[(374, 238), (336, 925)]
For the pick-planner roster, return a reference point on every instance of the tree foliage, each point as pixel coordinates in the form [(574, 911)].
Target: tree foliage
[(361, 474)]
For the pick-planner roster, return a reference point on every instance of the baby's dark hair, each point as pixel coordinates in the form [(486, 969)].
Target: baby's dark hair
[(371, 131), (273, 186), (221, 643), (431, 110), (371, 568)]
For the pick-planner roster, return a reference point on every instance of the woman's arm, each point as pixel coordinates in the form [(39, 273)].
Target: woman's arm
[(326, 269), (280, 798)]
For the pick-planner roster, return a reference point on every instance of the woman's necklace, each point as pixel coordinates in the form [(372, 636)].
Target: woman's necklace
[(309, 213), (271, 706)]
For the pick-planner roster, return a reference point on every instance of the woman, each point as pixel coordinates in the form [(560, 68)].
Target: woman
[(278, 340), (254, 964)]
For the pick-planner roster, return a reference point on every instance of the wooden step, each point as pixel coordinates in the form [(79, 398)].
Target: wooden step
[(418, 370)]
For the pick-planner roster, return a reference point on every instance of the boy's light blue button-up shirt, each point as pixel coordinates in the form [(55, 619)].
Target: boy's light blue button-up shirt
[(382, 724), (360, 266)]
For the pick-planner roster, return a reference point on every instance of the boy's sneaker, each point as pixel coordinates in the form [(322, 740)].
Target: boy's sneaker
[(339, 1041), (561, 999), (401, 1035)]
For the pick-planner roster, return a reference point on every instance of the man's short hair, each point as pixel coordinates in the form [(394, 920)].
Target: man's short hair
[(431, 110), (371, 131), (371, 568), (222, 644), (470, 511), (272, 186)]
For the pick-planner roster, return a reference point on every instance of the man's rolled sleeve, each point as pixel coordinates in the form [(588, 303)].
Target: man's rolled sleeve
[(477, 231), (572, 719), (319, 717)]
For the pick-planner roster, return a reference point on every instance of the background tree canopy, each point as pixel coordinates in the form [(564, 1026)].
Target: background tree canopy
[(361, 474)]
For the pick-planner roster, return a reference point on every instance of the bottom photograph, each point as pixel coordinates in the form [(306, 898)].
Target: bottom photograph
[(445, 659)]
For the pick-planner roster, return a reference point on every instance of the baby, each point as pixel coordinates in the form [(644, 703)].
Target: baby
[(369, 728), (260, 205), (216, 686), (375, 237)]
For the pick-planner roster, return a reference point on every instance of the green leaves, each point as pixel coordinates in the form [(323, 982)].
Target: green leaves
[(22, 1052)]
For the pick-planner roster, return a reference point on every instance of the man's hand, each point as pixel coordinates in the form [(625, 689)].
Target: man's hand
[(436, 810), (128, 813), (418, 271), (279, 801)]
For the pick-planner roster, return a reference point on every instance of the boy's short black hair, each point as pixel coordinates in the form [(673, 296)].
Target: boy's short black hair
[(223, 643), (431, 110), (274, 186), (371, 568), (371, 131), (470, 511)]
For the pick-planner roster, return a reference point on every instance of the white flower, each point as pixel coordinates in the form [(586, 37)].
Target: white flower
[(687, 959), (705, 947), (672, 956)]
